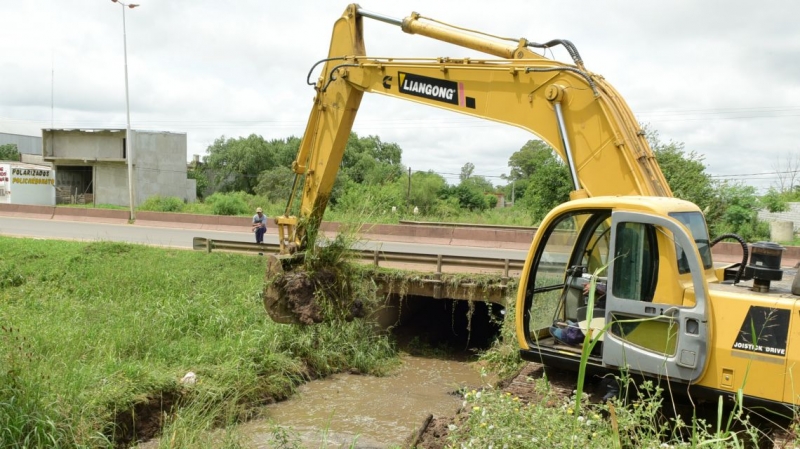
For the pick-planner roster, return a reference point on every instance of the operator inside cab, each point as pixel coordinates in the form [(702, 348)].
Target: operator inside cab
[(572, 318)]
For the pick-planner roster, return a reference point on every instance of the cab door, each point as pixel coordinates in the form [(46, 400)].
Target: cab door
[(651, 335)]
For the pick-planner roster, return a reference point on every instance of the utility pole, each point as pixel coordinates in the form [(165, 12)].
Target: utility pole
[(128, 146)]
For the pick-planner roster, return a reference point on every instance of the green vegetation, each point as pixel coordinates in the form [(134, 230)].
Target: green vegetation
[(373, 186), (9, 152), (160, 203), (500, 419), (94, 334)]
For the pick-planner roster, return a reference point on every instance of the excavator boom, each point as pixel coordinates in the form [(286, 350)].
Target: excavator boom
[(667, 312), (573, 110)]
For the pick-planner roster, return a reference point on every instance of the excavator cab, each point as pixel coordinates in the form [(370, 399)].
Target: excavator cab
[(652, 314)]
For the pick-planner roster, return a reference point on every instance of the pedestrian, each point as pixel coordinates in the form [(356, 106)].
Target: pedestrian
[(259, 225)]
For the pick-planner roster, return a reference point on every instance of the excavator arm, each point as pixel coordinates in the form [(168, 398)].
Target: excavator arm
[(575, 111)]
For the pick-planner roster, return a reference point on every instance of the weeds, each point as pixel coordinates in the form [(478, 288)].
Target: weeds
[(158, 203), (503, 357)]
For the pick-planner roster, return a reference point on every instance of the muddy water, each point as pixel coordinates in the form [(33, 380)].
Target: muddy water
[(373, 412)]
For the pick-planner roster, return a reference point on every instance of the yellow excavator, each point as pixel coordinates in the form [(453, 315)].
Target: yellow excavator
[(666, 311)]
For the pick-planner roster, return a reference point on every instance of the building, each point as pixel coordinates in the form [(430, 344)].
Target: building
[(93, 164), (22, 183)]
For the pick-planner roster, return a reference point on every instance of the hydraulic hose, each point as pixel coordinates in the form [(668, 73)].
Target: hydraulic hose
[(745, 252), (567, 69), (571, 49), (308, 77)]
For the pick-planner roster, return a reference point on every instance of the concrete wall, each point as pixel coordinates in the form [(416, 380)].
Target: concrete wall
[(37, 159), (82, 145), (111, 184), (793, 215), (159, 160)]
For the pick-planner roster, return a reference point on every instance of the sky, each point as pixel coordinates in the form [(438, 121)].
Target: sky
[(721, 77)]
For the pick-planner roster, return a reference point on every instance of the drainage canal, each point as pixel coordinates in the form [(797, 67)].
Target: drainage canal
[(439, 339)]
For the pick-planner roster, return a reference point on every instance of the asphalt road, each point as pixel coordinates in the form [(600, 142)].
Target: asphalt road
[(182, 238)]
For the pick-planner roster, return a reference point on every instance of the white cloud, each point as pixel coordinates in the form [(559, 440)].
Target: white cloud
[(719, 76)]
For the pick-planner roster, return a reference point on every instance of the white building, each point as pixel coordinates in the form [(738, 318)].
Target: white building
[(93, 163), (22, 183)]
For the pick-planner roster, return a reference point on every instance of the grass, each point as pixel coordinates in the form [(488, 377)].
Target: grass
[(94, 335)]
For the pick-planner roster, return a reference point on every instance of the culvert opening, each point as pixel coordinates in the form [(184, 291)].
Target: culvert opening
[(457, 325)]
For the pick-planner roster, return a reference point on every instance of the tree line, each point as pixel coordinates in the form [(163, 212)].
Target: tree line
[(373, 181)]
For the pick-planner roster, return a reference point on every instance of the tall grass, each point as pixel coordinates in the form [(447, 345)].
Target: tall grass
[(109, 329)]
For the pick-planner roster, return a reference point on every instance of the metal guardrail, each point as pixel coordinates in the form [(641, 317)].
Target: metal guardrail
[(375, 256)]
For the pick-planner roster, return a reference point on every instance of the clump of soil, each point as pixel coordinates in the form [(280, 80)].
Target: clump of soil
[(298, 291), (310, 297)]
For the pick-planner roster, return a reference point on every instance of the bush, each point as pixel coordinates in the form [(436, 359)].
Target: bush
[(491, 201), (158, 203), (229, 203)]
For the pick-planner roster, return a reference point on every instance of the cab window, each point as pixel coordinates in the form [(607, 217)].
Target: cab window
[(696, 224), (635, 262)]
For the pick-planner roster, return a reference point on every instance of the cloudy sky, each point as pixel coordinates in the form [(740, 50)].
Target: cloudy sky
[(723, 77)]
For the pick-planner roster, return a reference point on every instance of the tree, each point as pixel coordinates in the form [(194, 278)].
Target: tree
[(9, 152), (236, 163), (469, 197), (736, 212), (368, 160), (787, 172), (548, 187), (774, 201), (466, 171), (529, 158), (524, 164), (685, 171), (426, 190), (471, 190), (285, 151), (275, 184), (541, 180)]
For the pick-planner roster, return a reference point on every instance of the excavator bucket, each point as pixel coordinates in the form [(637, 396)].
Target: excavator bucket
[(290, 292), (275, 302)]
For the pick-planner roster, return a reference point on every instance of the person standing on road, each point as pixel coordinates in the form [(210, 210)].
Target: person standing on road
[(259, 225)]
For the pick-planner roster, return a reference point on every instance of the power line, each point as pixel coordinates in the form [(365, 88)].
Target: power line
[(401, 123)]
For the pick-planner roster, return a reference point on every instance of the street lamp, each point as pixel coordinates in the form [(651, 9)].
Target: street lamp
[(128, 148)]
